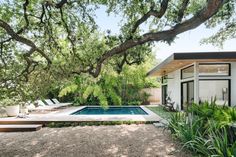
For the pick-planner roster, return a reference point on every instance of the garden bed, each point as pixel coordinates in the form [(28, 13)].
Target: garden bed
[(206, 129)]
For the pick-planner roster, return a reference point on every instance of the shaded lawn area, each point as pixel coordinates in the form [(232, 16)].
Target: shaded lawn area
[(161, 112)]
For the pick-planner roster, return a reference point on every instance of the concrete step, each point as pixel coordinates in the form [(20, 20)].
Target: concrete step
[(17, 128)]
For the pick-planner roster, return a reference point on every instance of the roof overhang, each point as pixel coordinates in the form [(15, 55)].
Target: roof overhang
[(180, 60)]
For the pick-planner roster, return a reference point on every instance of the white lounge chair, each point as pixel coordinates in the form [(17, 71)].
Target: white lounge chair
[(49, 102), (40, 103), (42, 106), (55, 101), (58, 102), (31, 107)]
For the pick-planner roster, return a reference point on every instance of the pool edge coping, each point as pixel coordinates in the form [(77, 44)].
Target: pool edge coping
[(65, 117)]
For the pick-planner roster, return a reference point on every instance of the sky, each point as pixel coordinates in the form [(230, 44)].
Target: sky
[(186, 42)]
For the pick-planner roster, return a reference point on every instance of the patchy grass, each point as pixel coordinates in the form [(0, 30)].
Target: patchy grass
[(161, 112)]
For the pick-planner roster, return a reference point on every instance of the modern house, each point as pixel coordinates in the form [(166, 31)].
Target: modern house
[(198, 77)]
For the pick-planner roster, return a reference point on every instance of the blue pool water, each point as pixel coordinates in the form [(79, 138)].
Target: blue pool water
[(110, 111)]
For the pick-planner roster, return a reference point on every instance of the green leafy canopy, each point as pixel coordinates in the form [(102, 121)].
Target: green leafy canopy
[(57, 40)]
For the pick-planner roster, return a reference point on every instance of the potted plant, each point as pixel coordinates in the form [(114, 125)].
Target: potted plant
[(12, 106)]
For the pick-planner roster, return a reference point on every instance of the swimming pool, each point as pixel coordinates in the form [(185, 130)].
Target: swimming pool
[(110, 111)]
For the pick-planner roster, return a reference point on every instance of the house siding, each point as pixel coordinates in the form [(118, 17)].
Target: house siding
[(174, 85), (173, 88), (233, 84)]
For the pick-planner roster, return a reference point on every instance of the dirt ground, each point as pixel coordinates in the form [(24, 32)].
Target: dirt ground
[(91, 141)]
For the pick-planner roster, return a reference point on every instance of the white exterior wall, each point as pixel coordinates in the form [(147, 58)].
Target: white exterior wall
[(174, 84), (173, 88), (233, 84)]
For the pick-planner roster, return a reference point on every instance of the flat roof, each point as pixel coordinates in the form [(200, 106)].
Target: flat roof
[(179, 60)]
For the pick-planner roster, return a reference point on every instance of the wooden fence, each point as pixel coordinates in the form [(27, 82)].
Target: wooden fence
[(155, 94)]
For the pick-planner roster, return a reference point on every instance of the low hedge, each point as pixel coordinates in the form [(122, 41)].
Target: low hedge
[(93, 123)]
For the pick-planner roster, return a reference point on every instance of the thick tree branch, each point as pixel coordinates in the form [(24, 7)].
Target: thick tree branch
[(42, 14), (30, 63), (60, 4), (25, 17), (23, 40), (1, 55), (202, 16), (68, 31), (182, 10), (157, 14), (26, 22), (124, 61)]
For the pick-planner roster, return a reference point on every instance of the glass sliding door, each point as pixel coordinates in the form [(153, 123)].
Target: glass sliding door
[(164, 93), (187, 94)]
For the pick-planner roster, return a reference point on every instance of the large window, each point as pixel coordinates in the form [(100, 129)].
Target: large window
[(215, 89), (187, 72), (214, 69)]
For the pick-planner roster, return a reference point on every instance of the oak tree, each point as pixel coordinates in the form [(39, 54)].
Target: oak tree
[(62, 36)]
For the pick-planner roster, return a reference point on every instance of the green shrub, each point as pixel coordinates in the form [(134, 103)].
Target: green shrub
[(224, 115), (111, 87), (186, 128), (232, 113), (200, 145), (175, 122), (216, 144), (206, 129), (220, 143), (73, 124), (204, 110)]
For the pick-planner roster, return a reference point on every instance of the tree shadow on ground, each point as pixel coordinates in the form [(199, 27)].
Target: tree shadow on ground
[(120, 140)]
